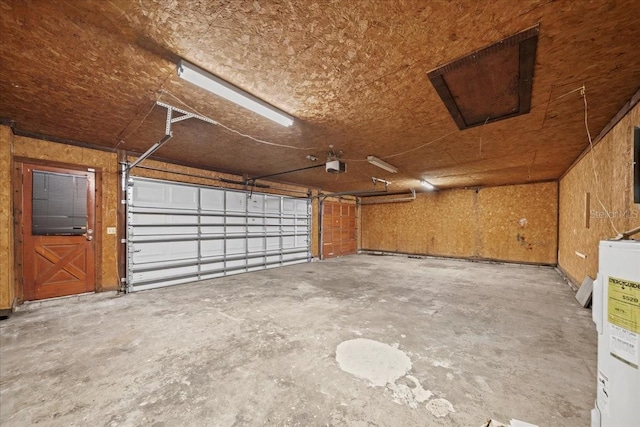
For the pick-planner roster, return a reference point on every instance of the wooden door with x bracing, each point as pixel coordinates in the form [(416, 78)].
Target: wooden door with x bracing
[(57, 230)]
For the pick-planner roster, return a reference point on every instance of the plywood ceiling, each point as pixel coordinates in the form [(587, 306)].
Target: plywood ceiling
[(352, 73)]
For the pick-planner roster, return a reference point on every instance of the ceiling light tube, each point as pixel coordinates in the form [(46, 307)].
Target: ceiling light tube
[(427, 185), (216, 85), (381, 164)]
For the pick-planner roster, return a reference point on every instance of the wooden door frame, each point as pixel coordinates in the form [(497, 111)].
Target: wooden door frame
[(18, 194)]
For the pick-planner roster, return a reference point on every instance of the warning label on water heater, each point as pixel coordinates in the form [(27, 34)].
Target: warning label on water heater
[(624, 320), (624, 304)]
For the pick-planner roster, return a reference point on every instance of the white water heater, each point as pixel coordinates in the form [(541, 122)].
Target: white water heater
[(616, 313)]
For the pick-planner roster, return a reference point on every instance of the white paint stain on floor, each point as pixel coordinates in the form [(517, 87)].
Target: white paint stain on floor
[(440, 407), (384, 365), (373, 361), (408, 390)]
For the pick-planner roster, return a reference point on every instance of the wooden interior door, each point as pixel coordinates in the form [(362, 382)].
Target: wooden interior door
[(58, 208), (339, 232)]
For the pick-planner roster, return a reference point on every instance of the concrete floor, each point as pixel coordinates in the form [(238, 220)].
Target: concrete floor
[(495, 341)]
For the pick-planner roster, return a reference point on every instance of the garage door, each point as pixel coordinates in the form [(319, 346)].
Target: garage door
[(179, 233)]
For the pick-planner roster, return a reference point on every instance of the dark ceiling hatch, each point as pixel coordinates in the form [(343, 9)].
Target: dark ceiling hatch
[(491, 84)]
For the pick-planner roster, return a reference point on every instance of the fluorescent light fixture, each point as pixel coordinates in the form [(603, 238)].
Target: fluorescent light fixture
[(427, 185), (216, 85), (381, 164)]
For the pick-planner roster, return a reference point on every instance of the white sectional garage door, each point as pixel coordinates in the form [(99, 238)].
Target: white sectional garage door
[(179, 233)]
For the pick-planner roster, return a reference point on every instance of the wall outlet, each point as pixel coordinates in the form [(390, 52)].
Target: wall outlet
[(111, 230)]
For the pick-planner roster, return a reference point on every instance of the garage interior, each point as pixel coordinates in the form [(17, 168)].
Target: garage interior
[(309, 213)]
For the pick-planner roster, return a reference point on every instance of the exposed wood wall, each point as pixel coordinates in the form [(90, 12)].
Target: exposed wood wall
[(6, 222), (515, 223), (613, 162)]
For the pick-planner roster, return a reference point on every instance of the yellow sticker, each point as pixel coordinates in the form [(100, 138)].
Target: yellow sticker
[(624, 304)]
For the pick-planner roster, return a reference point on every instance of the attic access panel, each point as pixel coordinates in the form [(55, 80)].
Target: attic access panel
[(491, 84)]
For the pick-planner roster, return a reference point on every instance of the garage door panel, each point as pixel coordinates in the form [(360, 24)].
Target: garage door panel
[(211, 219), (236, 220), (236, 246), (301, 241), (288, 206), (302, 206), (152, 275), (273, 243), (212, 230), (178, 233), (256, 244), (211, 248), (256, 204), (235, 202), (288, 242), (254, 264), (272, 204), (290, 259), (161, 232), (162, 194), (150, 252), (255, 221), (210, 266), (236, 264), (164, 219), (212, 199)]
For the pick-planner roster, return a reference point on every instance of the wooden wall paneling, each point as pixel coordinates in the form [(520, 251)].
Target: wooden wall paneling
[(439, 223), (518, 223), (613, 162), (7, 287), (484, 223)]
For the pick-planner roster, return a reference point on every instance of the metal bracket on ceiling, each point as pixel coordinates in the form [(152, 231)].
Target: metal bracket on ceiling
[(168, 134), (185, 115), (384, 181)]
